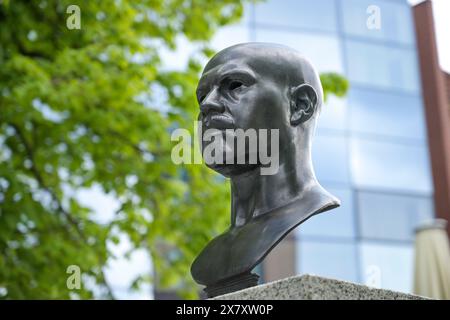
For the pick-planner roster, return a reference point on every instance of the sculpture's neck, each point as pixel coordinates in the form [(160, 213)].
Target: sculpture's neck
[(253, 194)]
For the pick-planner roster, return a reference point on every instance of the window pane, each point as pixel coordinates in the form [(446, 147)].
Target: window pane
[(330, 158), (401, 115), (382, 66), (329, 259), (387, 165), (318, 14), (323, 51), (338, 222), (394, 265), (396, 20), (394, 217), (333, 114)]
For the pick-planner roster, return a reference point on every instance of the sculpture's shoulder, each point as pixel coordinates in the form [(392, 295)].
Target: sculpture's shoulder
[(240, 249)]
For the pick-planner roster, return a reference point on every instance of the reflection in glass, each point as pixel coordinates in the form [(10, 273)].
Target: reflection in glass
[(329, 259), (315, 47), (393, 217), (317, 14), (395, 17), (333, 114), (393, 263), (338, 222), (388, 165), (330, 158), (385, 113), (382, 66)]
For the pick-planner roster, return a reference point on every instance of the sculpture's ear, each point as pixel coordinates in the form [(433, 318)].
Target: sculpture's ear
[(303, 103)]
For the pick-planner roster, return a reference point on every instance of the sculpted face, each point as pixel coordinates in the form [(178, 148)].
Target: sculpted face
[(240, 91)]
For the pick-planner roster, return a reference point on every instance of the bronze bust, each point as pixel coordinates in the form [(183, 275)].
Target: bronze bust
[(260, 86)]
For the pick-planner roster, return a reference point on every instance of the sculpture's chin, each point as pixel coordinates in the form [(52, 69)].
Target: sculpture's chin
[(230, 170)]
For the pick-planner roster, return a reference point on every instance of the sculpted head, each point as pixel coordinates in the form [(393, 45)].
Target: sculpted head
[(261, 86)]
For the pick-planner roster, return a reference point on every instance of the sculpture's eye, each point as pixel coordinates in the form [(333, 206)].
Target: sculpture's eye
[(234, 84), (201, 98)]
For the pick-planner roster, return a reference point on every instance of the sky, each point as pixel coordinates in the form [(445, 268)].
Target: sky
[(441, 12)]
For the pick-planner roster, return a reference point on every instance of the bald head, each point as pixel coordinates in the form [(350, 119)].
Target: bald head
[(261, 86), (283, 64)]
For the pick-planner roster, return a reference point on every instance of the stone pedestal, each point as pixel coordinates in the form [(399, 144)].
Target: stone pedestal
[(308, 287)]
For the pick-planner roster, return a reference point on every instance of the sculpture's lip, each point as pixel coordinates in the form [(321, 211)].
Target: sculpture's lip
[(219, 121)]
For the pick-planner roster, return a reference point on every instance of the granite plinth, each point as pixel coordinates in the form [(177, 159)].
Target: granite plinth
[(309, 287)]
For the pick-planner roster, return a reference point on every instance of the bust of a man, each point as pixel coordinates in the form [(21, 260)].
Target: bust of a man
[(260, 86)]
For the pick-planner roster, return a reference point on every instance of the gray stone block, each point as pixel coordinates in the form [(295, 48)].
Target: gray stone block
[(309, 287)]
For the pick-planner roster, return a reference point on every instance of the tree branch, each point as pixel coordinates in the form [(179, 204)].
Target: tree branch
[(30, 154), (34, 170)]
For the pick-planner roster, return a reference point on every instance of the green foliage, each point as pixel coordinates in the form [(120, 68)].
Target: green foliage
[(70, 119), (334, 83)]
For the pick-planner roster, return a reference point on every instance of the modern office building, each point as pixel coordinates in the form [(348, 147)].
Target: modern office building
[(371, 148)]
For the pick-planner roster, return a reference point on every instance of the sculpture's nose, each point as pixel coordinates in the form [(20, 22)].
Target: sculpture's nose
[(211, 103)]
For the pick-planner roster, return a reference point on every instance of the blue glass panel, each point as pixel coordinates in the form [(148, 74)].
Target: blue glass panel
[(384, 113), (323, 51), (338, 222), (330, 158), (382, 66), (393, 217), (329, 259), (317, 14), (395, 20), (334, 114), (393, 263), (388, 165)]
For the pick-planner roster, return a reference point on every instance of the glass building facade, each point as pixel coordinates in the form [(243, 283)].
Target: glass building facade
[(370, 148)]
